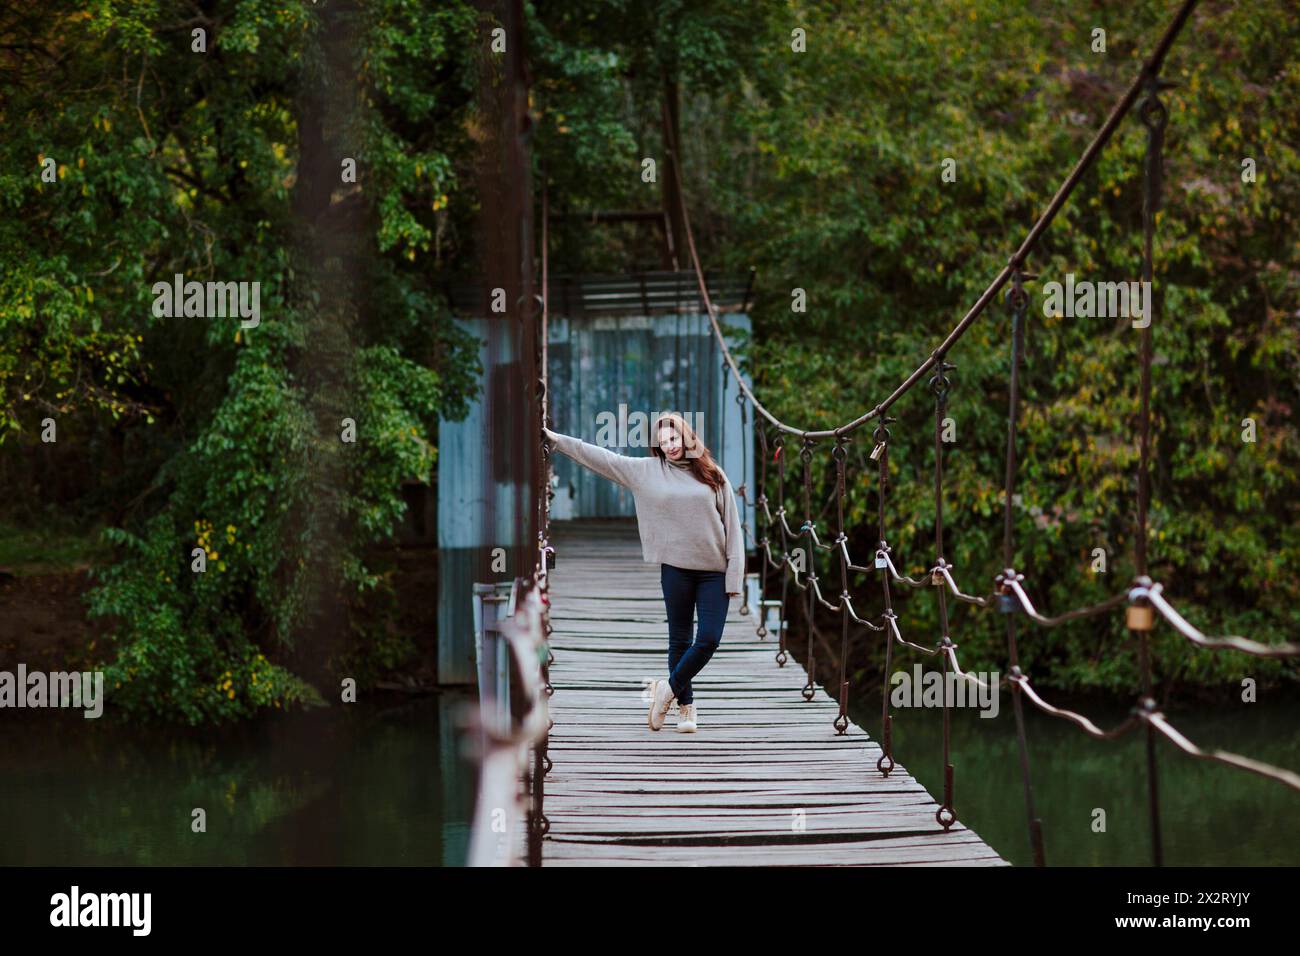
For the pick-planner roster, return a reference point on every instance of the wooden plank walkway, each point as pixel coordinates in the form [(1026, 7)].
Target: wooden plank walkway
[(620, 794)]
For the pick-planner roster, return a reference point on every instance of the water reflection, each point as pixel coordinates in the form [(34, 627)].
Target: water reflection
[(1211, 815), (356, 785)]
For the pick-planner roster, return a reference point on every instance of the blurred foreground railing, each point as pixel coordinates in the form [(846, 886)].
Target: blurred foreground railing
[(510, 721)]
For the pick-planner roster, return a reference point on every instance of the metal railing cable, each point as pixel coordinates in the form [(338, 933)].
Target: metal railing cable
[(1142, 600), (1019, 301)]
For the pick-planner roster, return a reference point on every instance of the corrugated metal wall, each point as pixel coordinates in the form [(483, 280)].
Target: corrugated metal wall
[(648, 364)]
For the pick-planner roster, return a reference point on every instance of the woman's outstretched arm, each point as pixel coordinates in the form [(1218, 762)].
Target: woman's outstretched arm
[(623, 469)]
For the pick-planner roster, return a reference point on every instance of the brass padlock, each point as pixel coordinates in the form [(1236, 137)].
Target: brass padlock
[(876, 452), (936, 578), (1139, 617)]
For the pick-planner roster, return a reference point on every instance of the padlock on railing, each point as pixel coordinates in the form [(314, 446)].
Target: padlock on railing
[(1139, 617)]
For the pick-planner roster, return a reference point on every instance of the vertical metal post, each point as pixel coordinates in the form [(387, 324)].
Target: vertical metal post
[(1154, 116), (1007, 604)]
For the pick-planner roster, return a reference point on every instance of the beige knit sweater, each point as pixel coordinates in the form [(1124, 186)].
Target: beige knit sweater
[(682, 521)]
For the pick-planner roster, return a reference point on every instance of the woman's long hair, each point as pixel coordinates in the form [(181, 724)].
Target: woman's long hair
[(702, 464)]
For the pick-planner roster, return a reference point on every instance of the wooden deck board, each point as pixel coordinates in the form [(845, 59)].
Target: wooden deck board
[(765, 781)]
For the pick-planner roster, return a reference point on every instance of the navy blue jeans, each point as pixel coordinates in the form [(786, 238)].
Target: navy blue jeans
[(684, 590)]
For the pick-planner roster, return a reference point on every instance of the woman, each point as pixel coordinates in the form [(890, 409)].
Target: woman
[(686, 514)]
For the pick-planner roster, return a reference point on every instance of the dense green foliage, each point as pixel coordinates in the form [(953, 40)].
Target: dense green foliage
[(225, 165), (823, 169)]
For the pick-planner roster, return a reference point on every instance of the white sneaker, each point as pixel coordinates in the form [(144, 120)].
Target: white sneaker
[(686, 718), (661, 698)]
